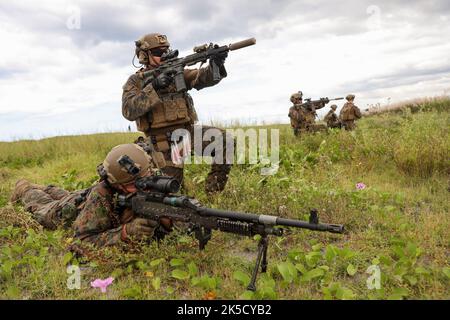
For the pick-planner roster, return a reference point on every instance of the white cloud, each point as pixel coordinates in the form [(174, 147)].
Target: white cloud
[(49, 71)]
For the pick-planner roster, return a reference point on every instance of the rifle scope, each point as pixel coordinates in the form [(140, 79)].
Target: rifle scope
[(161, 184)]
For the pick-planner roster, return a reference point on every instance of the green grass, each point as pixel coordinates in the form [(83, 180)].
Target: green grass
[(400, 222)]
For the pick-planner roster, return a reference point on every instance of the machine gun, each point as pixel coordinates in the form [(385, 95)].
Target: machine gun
[(156, 199), (174, 66)]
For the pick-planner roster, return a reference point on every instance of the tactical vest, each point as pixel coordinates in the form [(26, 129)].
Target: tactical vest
[(174, 109), (347, 112)]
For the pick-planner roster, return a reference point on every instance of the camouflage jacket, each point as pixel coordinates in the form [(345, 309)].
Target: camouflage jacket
[(98, 221), (310, 110), (349, 112), (331, 117), (137, 100)]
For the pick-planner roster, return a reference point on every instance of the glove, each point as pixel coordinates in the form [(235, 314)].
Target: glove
[(219, 59), (161, 81), (141, 228)]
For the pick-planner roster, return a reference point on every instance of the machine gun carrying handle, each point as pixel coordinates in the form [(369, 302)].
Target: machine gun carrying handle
[(242, 44)]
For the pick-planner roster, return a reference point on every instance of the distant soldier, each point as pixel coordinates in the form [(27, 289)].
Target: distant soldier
[(310, 115), (94, 213), (296, 114), (332, 119), (349, 113)]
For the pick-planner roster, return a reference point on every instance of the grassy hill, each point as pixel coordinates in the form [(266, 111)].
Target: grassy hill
[(399, 222)]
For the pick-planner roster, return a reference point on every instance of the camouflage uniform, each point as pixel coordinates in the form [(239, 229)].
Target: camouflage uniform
[(332, 119), (91, 213), (310, 117), (297, 118), (159, 112), (349, 113)]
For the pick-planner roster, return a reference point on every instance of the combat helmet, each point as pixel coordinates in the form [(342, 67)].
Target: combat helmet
[(124, 163), (297, 95), (350, 97), (148, 42), (333, 107)]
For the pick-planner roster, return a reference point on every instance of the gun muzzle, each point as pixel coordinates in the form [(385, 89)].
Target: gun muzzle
[(242, 44)]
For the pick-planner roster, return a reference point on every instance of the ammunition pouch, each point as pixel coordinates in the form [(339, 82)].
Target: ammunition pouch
[(173, 110)]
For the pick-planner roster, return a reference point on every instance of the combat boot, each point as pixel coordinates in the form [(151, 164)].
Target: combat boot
[(217, 178), (22, 186)]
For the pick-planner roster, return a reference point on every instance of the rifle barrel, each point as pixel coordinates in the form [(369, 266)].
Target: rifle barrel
[(271, 220), (242, 44)]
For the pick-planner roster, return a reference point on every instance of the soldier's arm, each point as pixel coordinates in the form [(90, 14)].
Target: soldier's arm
[(136, 100), (202, 78), (319, 105), (357, 112), (96, 223)]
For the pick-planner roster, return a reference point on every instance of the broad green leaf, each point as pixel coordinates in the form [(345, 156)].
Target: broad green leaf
[(12, 292), (156, 283), (300, 267), (170, 290), (67, 258), (422, 270), (287, 271), (180, 274), (411, 279), (192, 267), (446, 271), (176, 262), (312, 274), (141, 265), (351, 270), (156, 262), (330, 253), (241, 277), (343, 293), (247, 295)]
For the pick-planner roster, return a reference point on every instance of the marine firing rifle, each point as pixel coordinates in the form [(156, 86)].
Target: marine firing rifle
[(317, 104), (156, 199), (174, 66)]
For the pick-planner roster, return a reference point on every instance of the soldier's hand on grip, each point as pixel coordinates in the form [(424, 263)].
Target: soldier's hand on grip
[(141, 228), (161, 81), (219, 59)]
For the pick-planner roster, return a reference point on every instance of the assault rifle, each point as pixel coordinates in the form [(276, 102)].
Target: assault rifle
[(156, 199), (311, 105), (174, 66)]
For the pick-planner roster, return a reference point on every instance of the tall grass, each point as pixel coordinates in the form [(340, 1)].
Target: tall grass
[(400, 221)]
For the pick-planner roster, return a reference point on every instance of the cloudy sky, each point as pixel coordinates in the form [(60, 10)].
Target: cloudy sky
[(63, 63)]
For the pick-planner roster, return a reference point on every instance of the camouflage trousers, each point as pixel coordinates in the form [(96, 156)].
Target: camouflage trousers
[(308, 127), (51, 206), (218, 175), (334, 124), (349, 124)]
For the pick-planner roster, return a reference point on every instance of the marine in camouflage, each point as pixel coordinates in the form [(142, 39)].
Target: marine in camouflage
[(93, 213), (159, 112), (332, 119), (349, 113)]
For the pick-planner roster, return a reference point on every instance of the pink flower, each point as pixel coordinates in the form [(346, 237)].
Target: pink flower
[(360, 186), (102, 283)]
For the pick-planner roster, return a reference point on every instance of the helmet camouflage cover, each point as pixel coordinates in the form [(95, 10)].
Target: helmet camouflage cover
[(350, 97), (297, 95), (148, 42), (334, 107), (124, 163)]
